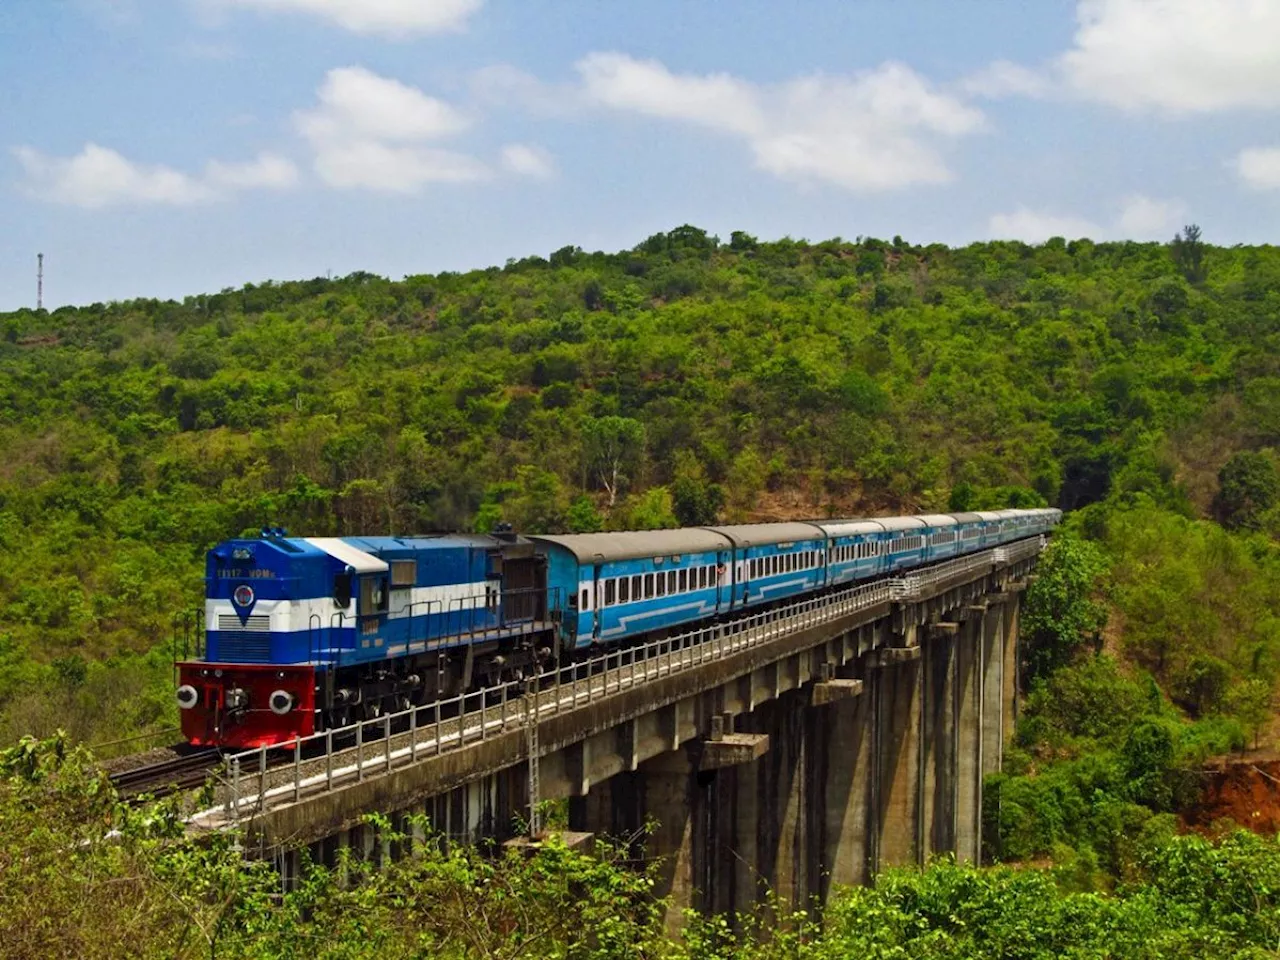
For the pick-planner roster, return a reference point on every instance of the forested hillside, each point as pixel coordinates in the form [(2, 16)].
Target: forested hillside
[(680, 381)]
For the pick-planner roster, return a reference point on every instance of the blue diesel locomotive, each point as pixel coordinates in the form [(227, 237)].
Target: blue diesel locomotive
[(307, 633)]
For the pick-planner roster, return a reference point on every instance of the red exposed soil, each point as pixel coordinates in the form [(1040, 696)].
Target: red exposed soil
[(1245, 790)]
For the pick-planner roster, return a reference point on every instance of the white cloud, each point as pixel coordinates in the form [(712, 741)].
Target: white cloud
[(1143, 218), (355, 102), (528, 160), (873, 131), (268, 171), (375, 133), (1259, 167), (388, 17), (1001, 79), (1032, 226), (1138, 218), (1176, 56), (392, 168), (99, 177), (502, 84)]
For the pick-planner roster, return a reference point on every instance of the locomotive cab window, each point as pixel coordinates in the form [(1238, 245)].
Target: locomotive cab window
[(342, 590), (373, 595)]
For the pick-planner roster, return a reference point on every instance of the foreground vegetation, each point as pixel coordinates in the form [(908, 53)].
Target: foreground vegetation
[(133, 887)]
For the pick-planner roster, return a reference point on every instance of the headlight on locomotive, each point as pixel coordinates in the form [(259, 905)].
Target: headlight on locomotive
[(281, 702), (188, 697)]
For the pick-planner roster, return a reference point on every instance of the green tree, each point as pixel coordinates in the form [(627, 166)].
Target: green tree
[(1250, 701), (583, 517), (537, 504), (1063, 609), (696, 502), (1248, 486), (651, 510), (746, 482), (613, 447), (1188, 250)]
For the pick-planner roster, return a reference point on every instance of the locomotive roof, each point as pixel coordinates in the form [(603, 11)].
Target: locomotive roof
[(436, 541), (350, 554), (631, 545), (749, 534)]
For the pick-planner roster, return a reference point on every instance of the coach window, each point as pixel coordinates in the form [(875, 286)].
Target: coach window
[(586, 598), (623, 593), (671, 581), (610, 592), (684, 580), (662, 585)]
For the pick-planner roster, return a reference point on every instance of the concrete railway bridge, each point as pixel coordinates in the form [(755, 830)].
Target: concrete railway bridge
[(791, 749)]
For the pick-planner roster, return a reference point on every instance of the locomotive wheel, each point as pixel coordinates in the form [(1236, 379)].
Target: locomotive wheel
[(338, 717)]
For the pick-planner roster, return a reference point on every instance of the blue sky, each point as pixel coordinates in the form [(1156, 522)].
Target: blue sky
[(169, 147)]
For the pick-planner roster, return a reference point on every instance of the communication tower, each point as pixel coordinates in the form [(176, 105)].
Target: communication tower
[(39, 281)]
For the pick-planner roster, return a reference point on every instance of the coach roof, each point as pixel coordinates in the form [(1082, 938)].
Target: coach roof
[(754, 534), (604, 547)]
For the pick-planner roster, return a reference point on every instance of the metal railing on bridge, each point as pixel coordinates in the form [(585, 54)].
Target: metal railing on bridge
[(351, 753)]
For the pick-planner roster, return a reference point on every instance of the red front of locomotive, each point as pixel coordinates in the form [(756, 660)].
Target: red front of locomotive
[(244, 704)]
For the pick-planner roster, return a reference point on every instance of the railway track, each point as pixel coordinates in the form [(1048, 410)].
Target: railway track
[(167, 776)]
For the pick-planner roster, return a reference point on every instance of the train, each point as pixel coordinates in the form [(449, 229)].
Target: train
[(303, 634)]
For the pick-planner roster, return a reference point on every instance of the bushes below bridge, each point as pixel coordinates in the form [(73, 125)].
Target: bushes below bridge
[(135, 887)]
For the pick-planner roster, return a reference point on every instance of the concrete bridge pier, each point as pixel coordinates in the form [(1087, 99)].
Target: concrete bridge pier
[(844, 761), (993, 686), (940, 738), (969, 715), (899, 771)]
